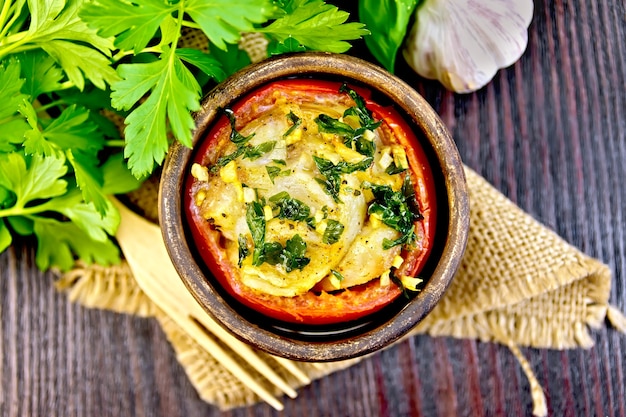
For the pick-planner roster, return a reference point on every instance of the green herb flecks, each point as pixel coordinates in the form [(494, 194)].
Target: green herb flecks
[(399, 283), (244, 251), (255, 218), (361, 110), (274, 171), (243, 148), (290, 208), (393, 169), (333, 231), (332, 173), (295, 123), (255, 152), (337, 275), (396, 209), (236, 137), (350, 135), (291, 256)]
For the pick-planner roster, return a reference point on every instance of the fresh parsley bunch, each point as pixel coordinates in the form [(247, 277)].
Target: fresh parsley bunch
[(67, 67)]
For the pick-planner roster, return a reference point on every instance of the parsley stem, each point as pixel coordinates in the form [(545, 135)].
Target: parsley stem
[(190, 24), (115, 143), (121, 54), (3, 15), (14, 42), (20, 211), (16, 15)]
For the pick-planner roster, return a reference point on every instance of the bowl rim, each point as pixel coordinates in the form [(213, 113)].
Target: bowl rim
[(171, 210)]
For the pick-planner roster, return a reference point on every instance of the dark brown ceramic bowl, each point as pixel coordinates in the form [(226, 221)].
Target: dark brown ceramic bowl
[(346, 340)]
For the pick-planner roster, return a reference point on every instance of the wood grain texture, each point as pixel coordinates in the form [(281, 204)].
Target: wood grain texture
[(549, 132)]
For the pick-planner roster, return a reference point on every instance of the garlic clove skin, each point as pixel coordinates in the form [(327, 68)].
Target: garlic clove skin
[(463, 43)]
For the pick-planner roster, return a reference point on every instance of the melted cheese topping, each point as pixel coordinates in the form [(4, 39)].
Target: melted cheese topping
[(223, 196)]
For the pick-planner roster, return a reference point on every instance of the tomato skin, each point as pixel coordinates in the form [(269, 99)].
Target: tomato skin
[(321, 308)]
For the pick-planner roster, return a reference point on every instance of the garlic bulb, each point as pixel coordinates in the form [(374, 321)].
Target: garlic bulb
[(463, 43)]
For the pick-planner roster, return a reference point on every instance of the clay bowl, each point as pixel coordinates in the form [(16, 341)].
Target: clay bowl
[(344, 340)]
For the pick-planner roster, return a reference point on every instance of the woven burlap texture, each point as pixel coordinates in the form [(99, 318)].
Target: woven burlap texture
[(519, 284)]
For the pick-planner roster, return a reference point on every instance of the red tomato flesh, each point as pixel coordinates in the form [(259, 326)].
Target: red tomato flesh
[(320, 308)]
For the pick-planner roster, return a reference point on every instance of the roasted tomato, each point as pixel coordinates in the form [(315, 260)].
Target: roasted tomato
[(311, 203)]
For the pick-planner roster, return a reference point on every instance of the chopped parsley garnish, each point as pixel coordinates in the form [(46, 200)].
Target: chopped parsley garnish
[(291, 256), (396, 209), (295, 120), (393, 169), (361, 110), (255, 218), (274, 171), (290, 208), (243, 149), (244, 251), (333, 232), (327, 124), (337, 274), (400, 285), (236, 137), (332, 173), (255, 152)]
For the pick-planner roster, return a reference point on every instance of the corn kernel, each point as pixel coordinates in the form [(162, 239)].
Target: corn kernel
[(369, 135), (199, 172), (375, 220), (249, 195), (319, 216), (200, 197), (384, 279), (228, 172), (334, 281), (321, 227), (294, 136), (399, 156), (397, 261), (410, 283), (267, 212)]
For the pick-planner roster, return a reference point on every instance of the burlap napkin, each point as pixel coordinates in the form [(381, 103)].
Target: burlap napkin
[(519, 284)]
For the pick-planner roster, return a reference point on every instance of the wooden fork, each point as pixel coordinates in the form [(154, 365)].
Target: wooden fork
[(143, 247)]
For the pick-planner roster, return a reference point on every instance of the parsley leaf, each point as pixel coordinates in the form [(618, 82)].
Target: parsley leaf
[(396, 209), (333, 231), (276, 171), (133, 24), (174, 95), (38, 188), (332, 173), (293, 254), (243, 251), (55, 27), (224, 20), (255, 218), (316, 25), (290, 208), (10, 88), (57, 241)]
